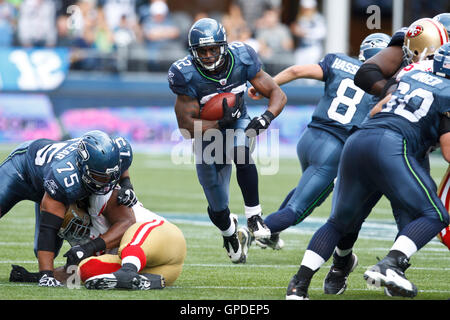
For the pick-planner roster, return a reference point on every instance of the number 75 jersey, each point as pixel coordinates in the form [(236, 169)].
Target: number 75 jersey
[(51, 166), (343, 105)]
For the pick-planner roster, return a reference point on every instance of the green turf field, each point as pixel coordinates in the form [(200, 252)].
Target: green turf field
[(174, 192)]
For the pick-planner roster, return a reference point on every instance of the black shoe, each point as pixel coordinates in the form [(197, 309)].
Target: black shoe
[(297, 290), (233, 245), (20, 274), (390, 273), (122, 279), (258, 228), (336, 279), (274, 242)]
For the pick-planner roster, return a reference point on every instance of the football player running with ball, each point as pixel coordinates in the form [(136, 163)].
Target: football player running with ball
[(212, 67)]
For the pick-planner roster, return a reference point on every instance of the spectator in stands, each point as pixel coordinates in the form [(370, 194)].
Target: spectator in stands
[(252, 10), (162, 36), (64, 37), (115, 9), (233, 22), (7, 23), (37, 23), (309, 30), (126, 33), (275, 40)]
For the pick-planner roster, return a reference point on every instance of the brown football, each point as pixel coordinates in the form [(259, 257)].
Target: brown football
[(213, 110)]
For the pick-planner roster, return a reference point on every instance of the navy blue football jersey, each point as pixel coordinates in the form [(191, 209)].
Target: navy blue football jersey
[(344, 106), (185, 78), (51, 167), (415, 110)]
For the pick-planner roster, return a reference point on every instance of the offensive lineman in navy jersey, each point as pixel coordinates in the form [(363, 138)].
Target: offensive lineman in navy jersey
[(55, 174), (383, 158), (343, 107), (213, 67)]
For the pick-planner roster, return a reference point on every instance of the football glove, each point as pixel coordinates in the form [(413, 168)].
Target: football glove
[(80, 252), (127, 197), (20, 274), (231, 114), (259, 124), (48, 280)]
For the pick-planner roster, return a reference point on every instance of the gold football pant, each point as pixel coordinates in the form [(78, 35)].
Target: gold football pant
[(159, 246)]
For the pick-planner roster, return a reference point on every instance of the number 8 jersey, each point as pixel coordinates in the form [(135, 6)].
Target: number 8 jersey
[(344, 105)]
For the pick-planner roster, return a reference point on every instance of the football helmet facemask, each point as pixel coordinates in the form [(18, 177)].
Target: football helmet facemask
[(204, 33), (372, 44), (423, 38), (75, 226), (98, 159)]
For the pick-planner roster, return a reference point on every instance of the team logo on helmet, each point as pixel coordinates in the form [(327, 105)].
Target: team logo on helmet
[(414, 31), (82, 150)]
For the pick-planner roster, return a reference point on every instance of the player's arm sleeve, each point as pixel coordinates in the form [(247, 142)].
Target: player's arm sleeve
[(255, 65), (177, 83), (126, 154), (325, 64)]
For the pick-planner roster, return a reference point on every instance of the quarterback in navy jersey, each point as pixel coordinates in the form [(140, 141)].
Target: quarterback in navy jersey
[(212, 67), (383, 158), (55, 174)]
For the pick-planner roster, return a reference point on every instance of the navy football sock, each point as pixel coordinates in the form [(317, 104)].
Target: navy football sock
[(247, 178), (221, 219), (246, 175), (324, 241), (422, 230)]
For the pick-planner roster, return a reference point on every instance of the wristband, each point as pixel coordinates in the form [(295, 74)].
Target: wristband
[(48, 273), (99, 244), (269, 115), (125, 183)]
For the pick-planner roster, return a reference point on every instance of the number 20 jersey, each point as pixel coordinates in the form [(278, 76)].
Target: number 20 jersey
[(344, 106), (415, 110)]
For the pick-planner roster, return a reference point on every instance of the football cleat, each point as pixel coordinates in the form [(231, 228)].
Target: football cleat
[(232, 243), (336, 280), (245, 240), (297, 290), (274, 242), (257, 227), (125, 280), (390, 273)]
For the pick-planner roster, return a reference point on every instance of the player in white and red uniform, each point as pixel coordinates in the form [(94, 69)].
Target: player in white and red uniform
[(150, 255)]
